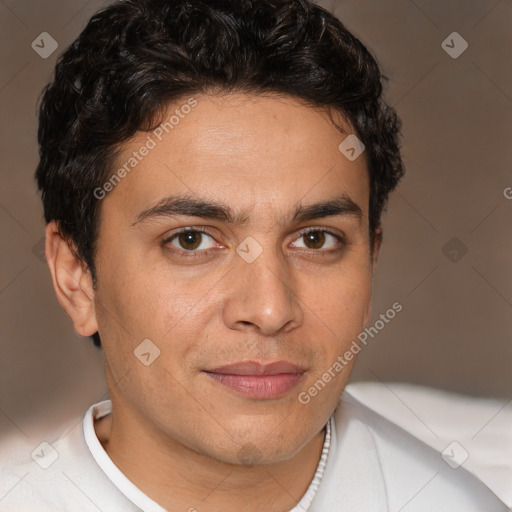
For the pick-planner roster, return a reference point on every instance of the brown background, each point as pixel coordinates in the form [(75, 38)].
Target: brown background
[(455, 329)]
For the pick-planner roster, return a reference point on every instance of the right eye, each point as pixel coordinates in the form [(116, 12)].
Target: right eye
[(191, 240)]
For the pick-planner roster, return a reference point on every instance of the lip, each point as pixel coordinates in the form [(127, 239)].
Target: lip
[(256, 380), (256, 368)]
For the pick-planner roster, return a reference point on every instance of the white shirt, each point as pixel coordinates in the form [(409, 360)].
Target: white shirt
[(380, 454)]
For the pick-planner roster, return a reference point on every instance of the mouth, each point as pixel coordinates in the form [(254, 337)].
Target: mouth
[(256, 380)]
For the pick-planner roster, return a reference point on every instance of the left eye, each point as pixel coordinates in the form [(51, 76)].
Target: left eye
[(192, 240), (317, 239)]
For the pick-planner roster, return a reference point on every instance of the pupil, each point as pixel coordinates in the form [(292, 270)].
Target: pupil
[(315, 239), (190, 240)]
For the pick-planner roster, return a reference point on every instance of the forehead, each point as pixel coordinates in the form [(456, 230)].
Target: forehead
[(241, 149)]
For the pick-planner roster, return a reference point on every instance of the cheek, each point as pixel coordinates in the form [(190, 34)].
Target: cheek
[(153, 303), (343, 302), (337, 320)]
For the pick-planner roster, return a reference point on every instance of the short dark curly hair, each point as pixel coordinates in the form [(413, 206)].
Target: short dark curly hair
[(136, 56)]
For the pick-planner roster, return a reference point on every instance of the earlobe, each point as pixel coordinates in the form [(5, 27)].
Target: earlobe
[(72, 282)]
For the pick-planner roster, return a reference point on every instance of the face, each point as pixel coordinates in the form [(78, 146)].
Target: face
[(238, 245)]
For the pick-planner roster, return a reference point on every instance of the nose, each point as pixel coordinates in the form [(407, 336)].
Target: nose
[(262, 297)]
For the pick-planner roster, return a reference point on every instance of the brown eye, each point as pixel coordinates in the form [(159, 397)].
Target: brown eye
[(190, 240), (314, 239), (319, 240)]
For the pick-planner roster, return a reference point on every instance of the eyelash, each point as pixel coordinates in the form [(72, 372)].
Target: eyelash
[(203, 253)]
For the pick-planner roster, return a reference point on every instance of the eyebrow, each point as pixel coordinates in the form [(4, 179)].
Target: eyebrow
[(192, 207)]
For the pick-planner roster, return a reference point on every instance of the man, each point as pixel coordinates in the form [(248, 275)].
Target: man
[(213, 177)]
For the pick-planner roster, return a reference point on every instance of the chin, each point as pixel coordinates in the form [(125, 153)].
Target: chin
[(258, 454)]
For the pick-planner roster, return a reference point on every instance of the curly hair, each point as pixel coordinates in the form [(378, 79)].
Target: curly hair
[(136, 56)]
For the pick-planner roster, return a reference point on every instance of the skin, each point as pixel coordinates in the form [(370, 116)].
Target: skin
[(181, 437)]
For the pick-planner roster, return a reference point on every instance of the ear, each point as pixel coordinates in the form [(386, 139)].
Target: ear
[(72, 282), (377, 242)]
